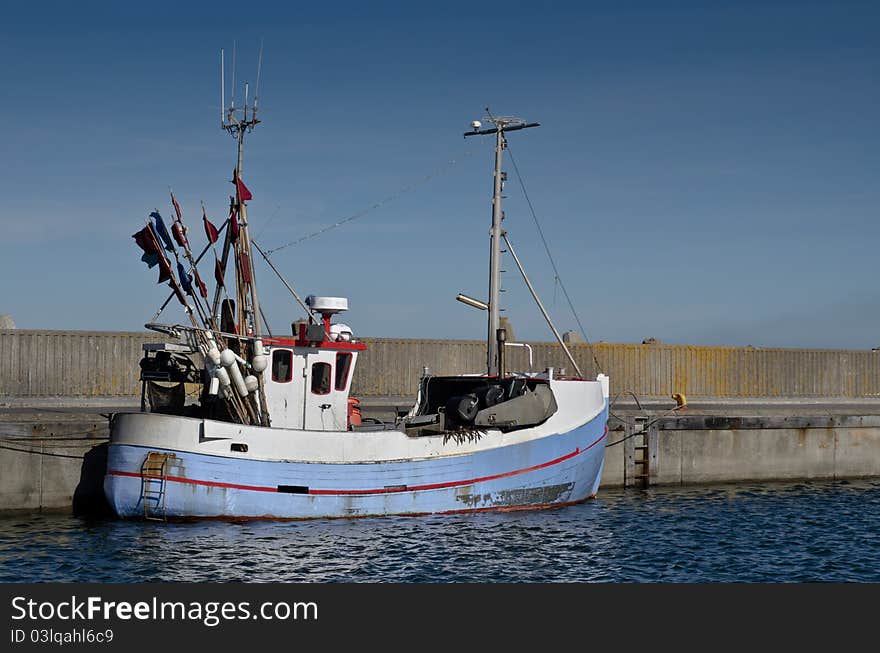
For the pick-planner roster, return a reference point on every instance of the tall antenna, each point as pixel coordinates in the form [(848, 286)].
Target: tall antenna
[(222, 91), (259, 71), (237, 121), (232, 90)]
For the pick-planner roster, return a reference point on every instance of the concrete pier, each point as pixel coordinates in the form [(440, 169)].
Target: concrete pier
[(719, 443), (51, 458)]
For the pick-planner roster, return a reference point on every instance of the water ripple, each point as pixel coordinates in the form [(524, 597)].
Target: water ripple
[(796, 532)]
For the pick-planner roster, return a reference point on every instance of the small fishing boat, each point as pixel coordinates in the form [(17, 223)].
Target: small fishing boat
[(275, 433)]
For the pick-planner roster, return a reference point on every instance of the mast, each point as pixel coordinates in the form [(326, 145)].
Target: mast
[(247, 288), (247, 297), (502, 124), (248, 308), (492, 362)]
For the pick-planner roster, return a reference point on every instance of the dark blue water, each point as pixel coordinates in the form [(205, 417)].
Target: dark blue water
[(824, 531)]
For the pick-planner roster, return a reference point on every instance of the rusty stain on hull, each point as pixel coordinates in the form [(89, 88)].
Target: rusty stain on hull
[(548, 494)]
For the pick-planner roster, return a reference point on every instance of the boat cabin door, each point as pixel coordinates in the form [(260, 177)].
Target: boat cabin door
[(284, 388), (325, 407)]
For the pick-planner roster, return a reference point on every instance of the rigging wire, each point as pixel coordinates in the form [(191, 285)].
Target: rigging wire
[(269, 221), (438, 172), (557, 278)]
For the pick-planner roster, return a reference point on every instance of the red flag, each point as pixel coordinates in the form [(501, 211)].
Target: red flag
[(165, 270), (218, 273), (210, 230), (176, 207), (245, 263), (243, 193), (233, 226), (201, 284), (147, 240)]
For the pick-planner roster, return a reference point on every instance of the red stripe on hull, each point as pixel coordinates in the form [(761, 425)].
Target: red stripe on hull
[(390, 490)]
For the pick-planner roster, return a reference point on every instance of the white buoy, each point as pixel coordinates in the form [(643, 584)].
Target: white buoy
[(260, 361), (227, 358), (229, 361), (223, 376), (238, 381), (251, 383), (213, 355)]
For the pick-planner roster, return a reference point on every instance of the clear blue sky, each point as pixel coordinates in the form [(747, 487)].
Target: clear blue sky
[(705, 172)]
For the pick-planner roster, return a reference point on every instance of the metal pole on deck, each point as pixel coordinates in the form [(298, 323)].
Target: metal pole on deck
[(495, 262), (502, 124)]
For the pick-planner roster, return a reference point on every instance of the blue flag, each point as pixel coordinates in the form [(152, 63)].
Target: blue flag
[(185, 279), (162, 231)]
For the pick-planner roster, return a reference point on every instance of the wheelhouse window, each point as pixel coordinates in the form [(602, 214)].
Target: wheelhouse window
[(282, 365), (321, 378), (343, 367)]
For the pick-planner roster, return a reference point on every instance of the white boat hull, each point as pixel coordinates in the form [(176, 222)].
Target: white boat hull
[(216, 469)]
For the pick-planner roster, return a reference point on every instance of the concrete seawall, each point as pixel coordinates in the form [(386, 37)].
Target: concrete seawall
[(105, 364), (53, 459), (690, 449)]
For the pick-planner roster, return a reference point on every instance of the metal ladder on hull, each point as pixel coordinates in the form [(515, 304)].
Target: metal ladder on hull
[(153, 479)]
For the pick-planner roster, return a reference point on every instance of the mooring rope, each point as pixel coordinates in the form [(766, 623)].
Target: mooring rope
[(40, 453), (649, 423)]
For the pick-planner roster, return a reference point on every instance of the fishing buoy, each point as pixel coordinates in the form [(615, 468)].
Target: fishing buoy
[(213, 355), (238, 381), (222, 376), (251, 383), (229, 361), (214, 386), (229, 357), (260, 361)]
